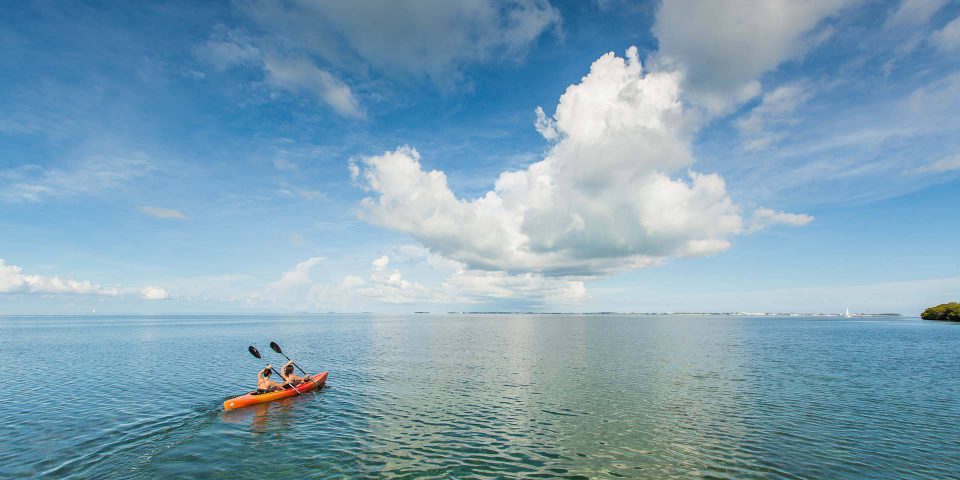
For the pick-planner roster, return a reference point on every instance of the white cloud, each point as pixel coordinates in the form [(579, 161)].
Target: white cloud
[(764, 217), (724, 46), (947, 39), (603, 200), (483, 285), (284, 165), (775, 110), (227, 48), (941, 96), (13, 280), (385, 285), (302, 193), (546, 126), (294, 73), (301, 75), (90, 176), (389, 286), (298, 277), (912, 13), (154, 293), (434, 38), (480, 285), (166, 213), (942, 165)]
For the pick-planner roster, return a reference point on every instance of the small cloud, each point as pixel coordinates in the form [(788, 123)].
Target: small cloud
[(227, 49), (942, 165), (351, 281), (947, 39), (284, 165), (311, 194), (761, 128), (766, 217), (303, 193), (154, 293), (90, 176), (547, 127), (913, 13), (381, 263), (166, 213), (300, 75)]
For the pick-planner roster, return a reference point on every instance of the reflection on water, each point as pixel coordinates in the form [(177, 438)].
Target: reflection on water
[(486, 396)]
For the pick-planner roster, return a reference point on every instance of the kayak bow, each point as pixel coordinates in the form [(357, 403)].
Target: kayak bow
[(252, 399)]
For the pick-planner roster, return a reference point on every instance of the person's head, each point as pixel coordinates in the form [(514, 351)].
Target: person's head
[(266, 372), (288, 370)]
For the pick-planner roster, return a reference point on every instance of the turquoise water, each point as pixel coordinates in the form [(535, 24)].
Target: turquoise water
[(484, 396)]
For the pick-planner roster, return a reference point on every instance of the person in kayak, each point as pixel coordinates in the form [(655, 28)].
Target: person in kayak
[(289, 377), (264, 384)]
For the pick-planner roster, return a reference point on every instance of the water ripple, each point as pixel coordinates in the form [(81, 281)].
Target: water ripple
[(487, 397)]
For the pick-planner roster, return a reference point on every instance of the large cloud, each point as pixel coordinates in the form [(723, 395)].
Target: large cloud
[(614, 192)]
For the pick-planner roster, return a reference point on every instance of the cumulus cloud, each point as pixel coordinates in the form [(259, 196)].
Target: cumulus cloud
[(13, 280), (614, 192), (154, 293), (759, 127), (947, 39), (165, 213), (89, 176), (431, 38), (724, 46), (764, 217)]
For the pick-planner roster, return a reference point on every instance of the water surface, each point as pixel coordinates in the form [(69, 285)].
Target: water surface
[(484, 396)]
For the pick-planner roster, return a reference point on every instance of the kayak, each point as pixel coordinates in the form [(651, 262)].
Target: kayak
[(253, 398)]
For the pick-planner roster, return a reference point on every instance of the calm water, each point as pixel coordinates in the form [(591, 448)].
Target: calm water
[(484, 396)]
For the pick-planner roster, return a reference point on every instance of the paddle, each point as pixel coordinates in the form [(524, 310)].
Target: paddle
[(276, 348), (256, 353)]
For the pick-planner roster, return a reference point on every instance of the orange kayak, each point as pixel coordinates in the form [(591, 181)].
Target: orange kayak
[(252, 399)]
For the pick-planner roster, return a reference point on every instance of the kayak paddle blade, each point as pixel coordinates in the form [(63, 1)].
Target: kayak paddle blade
[(253, 351), (275, 347)]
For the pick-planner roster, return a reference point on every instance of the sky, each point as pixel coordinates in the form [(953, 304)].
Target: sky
[(483, 155)]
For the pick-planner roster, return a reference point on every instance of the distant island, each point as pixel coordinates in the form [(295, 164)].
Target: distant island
[(945, 311)]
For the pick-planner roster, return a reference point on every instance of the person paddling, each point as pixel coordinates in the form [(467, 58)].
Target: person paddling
[(264, 384), (289, 377)]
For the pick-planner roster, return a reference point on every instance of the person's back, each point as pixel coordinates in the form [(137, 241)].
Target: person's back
[(264, 384), (288, 376)]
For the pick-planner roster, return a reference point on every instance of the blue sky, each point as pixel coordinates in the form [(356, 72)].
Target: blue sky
[(390, 156)]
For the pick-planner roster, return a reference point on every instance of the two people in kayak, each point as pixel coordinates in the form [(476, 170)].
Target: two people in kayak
[(265, 384)]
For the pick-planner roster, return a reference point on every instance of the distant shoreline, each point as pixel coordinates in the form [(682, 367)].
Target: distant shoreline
[(691, 314), (285, 314)]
